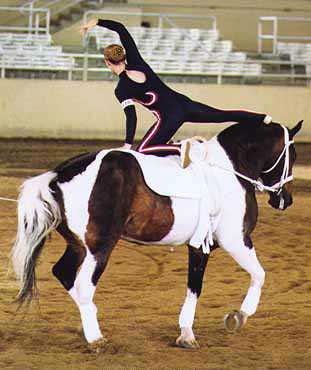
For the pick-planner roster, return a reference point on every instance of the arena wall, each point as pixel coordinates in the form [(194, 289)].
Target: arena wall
[(75, 109)]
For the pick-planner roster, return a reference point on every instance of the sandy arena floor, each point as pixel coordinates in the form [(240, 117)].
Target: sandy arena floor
[(140, 294)]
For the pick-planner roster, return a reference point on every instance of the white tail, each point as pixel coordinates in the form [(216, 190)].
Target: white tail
[(38, 215)]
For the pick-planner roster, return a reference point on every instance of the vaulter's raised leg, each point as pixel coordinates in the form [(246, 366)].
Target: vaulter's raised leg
[(197, 262), (198, 112)]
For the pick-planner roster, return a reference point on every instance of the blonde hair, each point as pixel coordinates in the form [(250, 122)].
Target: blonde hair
[(114, 54)]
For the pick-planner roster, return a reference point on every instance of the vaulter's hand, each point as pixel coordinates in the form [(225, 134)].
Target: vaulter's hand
[(88, 26)]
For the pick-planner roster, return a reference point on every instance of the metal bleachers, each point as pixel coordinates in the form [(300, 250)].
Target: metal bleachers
[(297, 52), (25, 39), (32, 52)]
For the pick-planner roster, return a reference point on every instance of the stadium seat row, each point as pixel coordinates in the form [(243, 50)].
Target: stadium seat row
[(206, 67), (155, 33), (27, 49), (298, 52), (25, 39), (32, 61)]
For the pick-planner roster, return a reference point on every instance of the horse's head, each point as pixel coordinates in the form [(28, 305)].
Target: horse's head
[(277, 171)]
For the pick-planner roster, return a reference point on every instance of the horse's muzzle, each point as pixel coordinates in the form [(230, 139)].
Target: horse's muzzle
[(281, 201)]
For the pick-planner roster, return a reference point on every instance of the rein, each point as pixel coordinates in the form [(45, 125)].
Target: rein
[(8, 199), (277, 187)]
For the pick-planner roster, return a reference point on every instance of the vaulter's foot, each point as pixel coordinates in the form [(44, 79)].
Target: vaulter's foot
[(267, 119)]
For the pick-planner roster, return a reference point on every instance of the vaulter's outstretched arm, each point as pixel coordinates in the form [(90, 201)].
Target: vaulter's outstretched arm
[(133, 56)]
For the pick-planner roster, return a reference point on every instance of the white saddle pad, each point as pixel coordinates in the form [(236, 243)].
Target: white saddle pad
[(165, 176)]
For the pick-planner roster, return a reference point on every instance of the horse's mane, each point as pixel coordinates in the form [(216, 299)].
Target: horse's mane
[(246, 134)]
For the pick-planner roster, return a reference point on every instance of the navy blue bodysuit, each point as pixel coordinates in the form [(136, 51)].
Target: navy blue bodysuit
[(171, 108)]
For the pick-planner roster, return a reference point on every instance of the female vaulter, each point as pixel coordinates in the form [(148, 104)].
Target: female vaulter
[(139, 84)]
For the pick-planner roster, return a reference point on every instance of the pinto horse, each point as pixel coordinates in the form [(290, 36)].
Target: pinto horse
[(93, 200)]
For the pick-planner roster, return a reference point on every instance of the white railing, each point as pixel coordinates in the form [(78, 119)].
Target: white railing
[(220, 74), (274, 35), (162, 18), (50, 4), (35, 17)]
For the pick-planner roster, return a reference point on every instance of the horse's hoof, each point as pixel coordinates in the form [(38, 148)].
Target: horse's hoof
[(234, 321), (187, 343), (98, 346)]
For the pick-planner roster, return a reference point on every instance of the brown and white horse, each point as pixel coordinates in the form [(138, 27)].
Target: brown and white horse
[(93, 200)]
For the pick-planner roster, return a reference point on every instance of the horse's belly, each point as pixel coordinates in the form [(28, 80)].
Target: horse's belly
[(186, 216)]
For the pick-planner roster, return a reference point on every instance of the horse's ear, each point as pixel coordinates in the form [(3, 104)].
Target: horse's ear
[(296, 129)]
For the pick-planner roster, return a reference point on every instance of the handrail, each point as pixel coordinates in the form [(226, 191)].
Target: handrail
[(54, 2), (161, 16), (33, 19), (274, 36)]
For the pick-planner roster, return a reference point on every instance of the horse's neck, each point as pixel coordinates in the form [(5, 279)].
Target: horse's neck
[(222, 157), (246, 147)]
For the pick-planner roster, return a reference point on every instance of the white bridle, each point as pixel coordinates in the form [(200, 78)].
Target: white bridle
[(276, 188), (285, 152)]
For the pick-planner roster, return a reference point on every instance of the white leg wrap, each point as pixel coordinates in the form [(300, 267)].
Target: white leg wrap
[(82, 293), (187, 313), (251, 301), (247, 259), (187, 334), (90, 325)]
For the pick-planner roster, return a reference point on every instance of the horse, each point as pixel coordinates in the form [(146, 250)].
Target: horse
[(95, 199)]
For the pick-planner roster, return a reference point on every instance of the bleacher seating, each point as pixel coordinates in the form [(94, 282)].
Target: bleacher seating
[(25, 39), (32, 51), (176, 50), (297, 52)]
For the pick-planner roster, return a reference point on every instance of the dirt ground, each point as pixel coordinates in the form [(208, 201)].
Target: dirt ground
[(141, 292)]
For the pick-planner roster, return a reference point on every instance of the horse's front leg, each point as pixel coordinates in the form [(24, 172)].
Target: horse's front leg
[(247, 259), (196, 266)]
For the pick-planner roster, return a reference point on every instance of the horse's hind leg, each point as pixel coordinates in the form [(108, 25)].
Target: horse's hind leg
[(82, 293), (196, 267), (109, 207), (81, 286), (65, 270)]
